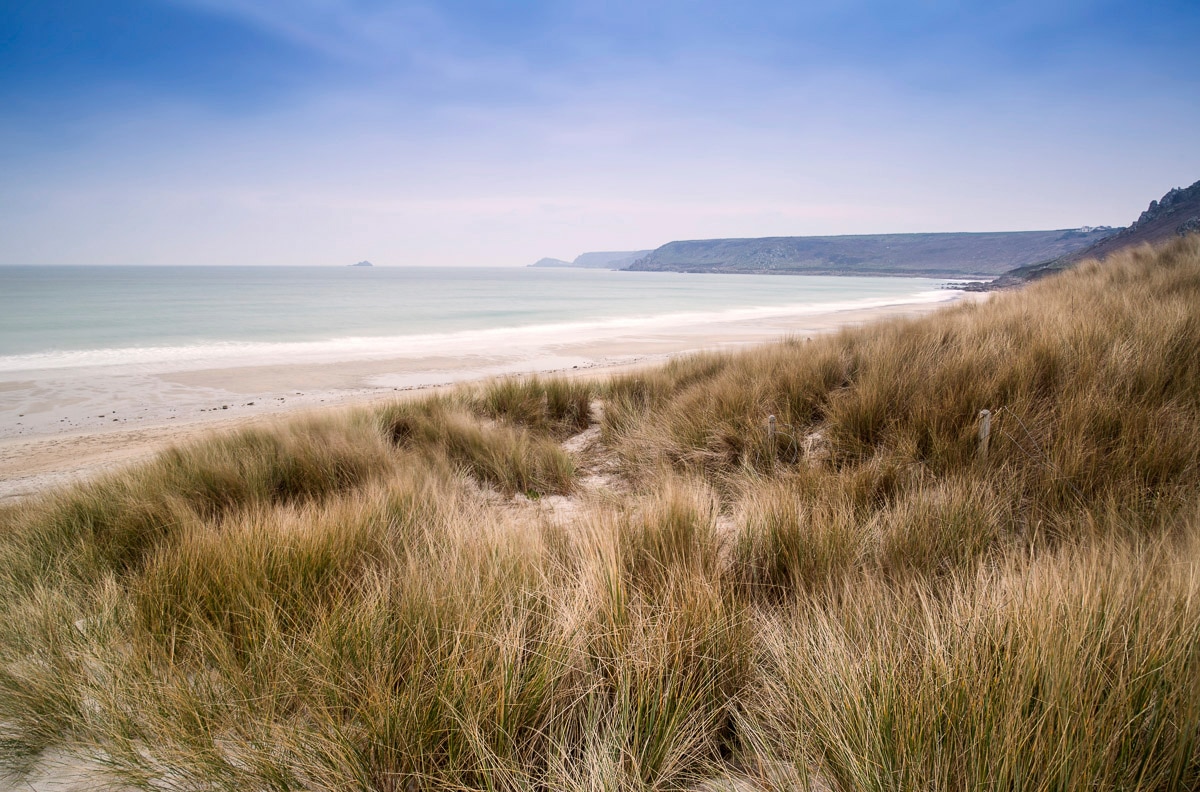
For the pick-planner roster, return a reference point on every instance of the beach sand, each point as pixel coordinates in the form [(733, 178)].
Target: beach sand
[(60, 426)]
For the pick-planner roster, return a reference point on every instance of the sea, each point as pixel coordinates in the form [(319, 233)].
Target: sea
[(54, 317)]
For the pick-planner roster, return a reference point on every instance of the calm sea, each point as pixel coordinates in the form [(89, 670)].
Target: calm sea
[(53, 317)]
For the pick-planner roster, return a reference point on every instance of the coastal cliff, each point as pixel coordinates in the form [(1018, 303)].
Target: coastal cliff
[(936, 255), (1175, 214), (609, 259)]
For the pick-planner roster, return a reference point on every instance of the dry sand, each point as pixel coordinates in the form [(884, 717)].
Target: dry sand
[(65, 425)]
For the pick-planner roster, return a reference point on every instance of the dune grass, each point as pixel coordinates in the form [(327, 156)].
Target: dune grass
[(515, 458), (378, 602)]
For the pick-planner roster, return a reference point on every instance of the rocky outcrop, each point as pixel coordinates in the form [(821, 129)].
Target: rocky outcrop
[(1175, 214)]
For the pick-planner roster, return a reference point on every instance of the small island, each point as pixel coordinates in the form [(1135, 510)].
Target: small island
[(363, 263)]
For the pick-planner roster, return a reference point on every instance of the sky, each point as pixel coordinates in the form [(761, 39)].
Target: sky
[(322, 132)]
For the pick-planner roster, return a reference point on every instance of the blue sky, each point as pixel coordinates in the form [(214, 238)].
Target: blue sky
[(327, 131)]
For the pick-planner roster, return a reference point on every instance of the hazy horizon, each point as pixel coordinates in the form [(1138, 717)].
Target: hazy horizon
[(566, 259), (219, 132)]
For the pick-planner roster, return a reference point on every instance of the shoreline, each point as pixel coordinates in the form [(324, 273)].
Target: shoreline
[(65, 427)]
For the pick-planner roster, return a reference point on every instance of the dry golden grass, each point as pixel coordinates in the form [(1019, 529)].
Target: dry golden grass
[(373, 602)]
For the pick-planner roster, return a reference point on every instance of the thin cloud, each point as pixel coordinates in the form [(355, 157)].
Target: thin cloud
[(495, 133)]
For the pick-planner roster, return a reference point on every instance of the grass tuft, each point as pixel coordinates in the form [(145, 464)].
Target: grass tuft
[(515, 459), (557, 405)]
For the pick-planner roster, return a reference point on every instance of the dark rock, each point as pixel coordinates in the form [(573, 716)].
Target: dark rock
[(1159, 223)]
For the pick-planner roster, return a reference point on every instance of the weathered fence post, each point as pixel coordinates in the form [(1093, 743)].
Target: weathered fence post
[(771, 434), (985, 431)]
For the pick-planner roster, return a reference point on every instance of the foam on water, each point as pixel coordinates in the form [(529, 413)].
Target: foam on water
[(483, 341)]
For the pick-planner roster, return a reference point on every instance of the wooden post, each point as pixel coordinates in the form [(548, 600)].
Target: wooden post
[(985, 431), (771, 432)]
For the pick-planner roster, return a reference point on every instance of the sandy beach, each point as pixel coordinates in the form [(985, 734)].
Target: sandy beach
[(66, 424)]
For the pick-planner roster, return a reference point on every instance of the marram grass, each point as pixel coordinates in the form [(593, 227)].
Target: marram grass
[(379, 601)]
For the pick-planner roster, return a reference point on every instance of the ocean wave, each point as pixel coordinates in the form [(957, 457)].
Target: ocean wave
[(491, 341)]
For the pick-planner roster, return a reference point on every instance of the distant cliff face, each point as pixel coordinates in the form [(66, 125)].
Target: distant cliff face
[(1175, 214), (619, 259), (936, 255), (605, 260)]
